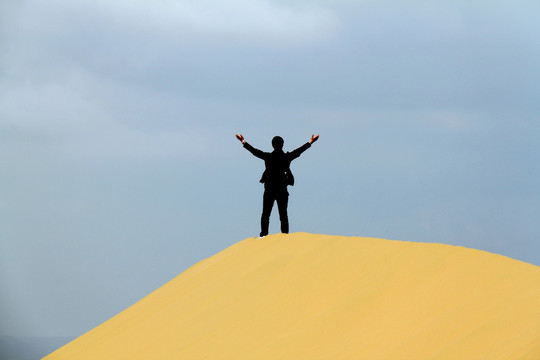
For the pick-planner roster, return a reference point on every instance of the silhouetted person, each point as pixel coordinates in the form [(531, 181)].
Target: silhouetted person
[(276, 177)]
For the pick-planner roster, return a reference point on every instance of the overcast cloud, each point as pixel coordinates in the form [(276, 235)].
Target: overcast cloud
[(121, 169)]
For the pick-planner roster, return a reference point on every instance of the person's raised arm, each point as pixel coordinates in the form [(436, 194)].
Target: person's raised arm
[(296, 153), (258, 153)]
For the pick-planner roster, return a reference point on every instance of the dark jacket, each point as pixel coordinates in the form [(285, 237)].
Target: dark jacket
[(278, 172)]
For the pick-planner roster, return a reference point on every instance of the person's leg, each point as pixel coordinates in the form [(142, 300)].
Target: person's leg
[(282, 203), (268, 203)]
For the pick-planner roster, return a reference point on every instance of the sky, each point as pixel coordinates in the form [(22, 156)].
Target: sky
[(120, 168)]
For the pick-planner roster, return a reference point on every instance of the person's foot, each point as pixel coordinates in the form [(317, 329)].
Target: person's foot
[(263, 234)]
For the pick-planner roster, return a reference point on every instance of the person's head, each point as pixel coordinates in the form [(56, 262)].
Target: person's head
[(277, 143)]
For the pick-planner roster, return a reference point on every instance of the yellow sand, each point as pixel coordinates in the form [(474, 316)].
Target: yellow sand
[(305, 296)]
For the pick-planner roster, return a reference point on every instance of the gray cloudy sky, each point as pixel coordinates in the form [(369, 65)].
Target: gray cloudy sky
[(120, 166)]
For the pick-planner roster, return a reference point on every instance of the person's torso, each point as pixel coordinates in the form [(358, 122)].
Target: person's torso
[(277, 172)]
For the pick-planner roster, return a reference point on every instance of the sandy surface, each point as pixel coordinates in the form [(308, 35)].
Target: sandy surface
[(306, 296)]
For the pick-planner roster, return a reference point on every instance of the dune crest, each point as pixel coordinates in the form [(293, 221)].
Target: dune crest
[(306, 296)]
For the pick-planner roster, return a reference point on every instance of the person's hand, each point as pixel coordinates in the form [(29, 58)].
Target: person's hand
[(314, 138), (241, 138)]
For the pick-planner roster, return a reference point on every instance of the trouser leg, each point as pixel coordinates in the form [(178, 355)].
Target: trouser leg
[(268, 203), (282, 203)]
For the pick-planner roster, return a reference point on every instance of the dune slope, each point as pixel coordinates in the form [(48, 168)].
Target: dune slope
[(305, 296)]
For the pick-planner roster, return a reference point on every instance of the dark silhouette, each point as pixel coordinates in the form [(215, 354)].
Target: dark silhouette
[(276, 177)]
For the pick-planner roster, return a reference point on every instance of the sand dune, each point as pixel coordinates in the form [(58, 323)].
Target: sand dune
[(305, 296)]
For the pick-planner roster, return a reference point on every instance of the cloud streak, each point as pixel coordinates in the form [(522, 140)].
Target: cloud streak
[(186, 20)]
